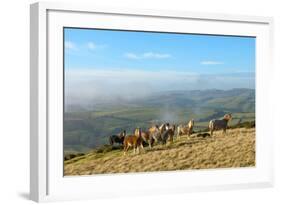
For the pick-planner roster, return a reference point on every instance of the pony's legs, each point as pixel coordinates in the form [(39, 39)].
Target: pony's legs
[(125, 149), (171, 138), (155, 139), (149, 144), (143, 148)]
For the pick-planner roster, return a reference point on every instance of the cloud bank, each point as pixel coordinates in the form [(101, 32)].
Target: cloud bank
[(95, 86), (147, 55), (92, 46), (211, 62), (70, 45)]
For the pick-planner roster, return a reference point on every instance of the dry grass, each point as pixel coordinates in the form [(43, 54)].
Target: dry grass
[(235, 149)]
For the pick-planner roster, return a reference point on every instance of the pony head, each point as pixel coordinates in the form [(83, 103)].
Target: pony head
[(167, 125), (123, 133), (227, 117), (138, 132), (191, 123)]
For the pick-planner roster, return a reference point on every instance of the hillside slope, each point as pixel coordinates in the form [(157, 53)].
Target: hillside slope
[(88, 129), (235, 149)]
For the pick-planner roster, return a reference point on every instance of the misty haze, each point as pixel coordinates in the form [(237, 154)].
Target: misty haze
[(85, 89)]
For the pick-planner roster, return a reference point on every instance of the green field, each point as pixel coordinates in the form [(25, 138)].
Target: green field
[(90, 128)]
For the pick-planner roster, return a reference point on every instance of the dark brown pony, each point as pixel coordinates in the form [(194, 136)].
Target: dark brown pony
[(164, 127), (119, 139), (168, 134), (220, 124)]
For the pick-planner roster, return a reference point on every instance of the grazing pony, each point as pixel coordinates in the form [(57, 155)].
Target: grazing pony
[(117, 138), (169, 134), (185, 129), (219, 124), (134, 141)]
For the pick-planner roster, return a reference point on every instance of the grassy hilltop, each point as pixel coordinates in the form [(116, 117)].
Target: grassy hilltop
[(235, 149)]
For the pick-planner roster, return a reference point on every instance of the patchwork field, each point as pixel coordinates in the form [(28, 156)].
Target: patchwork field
[(88, 129), (234, 149)]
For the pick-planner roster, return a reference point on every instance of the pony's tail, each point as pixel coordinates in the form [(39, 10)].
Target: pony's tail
[(110, 141)]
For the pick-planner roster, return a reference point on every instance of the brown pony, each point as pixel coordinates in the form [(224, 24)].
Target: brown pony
[(153, 129), (134, 141), (147, 137), (185, 129), (154, 135), (156, 132)]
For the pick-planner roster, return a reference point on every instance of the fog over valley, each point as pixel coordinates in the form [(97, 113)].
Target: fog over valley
[(85, 88)]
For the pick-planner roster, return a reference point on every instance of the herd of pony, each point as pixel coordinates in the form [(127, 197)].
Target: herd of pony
[(163, 133)]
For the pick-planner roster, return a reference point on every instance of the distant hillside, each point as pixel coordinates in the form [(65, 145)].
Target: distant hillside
[(235, 149), (235, 99), (89, 127)]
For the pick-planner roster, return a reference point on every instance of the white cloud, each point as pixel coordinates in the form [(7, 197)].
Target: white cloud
[(211, 63), (131, 56), (70, 45), (94, 46), (91, 45), (156, 55), (147, 55)]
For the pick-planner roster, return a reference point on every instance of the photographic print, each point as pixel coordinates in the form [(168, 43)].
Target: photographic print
[(142, 101)]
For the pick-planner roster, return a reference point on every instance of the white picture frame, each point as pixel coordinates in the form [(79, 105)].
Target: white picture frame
[(47, 182)]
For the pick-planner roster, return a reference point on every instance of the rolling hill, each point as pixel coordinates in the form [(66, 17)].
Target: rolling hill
[(88, 127)]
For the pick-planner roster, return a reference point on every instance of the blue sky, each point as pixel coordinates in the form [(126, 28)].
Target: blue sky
[(90, 48), (161, 61)]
